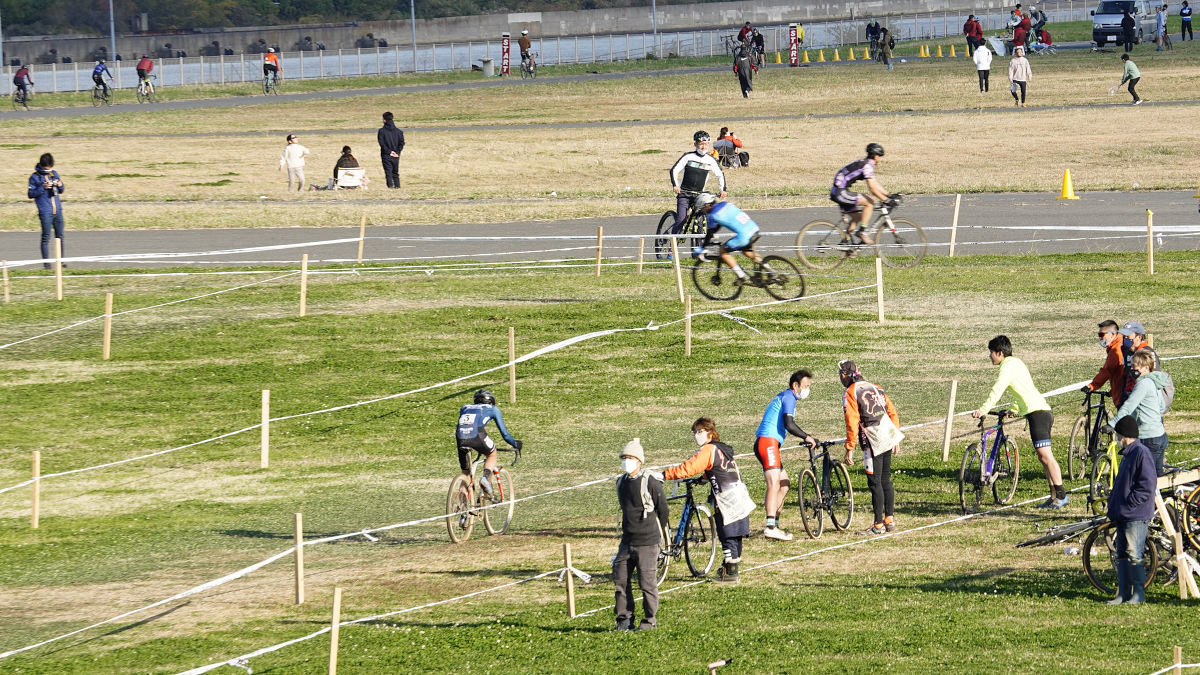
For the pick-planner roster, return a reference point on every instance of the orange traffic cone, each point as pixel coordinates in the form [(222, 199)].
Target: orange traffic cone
[(1068, 192), (820, 56)]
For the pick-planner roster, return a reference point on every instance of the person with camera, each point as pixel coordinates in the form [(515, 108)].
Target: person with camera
[(45, 186)]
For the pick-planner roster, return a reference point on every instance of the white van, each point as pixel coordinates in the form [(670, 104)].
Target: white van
[(1106, 21)]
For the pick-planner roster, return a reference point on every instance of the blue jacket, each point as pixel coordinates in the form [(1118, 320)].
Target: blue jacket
[(45, 197), (1132, 496)]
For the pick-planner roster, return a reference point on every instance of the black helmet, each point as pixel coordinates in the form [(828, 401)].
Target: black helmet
[(874, 150), (701, 136), (485, 396)]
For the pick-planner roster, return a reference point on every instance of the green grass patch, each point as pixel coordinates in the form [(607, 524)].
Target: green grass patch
[(129, 175), (215, 183)]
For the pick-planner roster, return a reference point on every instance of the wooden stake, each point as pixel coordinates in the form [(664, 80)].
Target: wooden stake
[(954, 223), (108, 297), (678, 272), (879, 285), (303, 284), (333, 630), (362, 234), (299, 541), (4, 269), (599, 246), (1182, 570), (1149, 241), (58, 291), (512, 365), (37, 486), (1150, 340), (266, 428), (949, 421), (687, 326), (641, 254), (570, 581), (1178, 661)]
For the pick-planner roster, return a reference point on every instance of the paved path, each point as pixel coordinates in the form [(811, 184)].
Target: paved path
[(988, 223)]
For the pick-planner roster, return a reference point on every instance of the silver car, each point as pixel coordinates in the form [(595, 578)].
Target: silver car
[(1106, 21)]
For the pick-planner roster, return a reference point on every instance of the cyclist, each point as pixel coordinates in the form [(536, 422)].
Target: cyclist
[(690, 174), (144, 67), (271, 66), (98, 74), (1014, 376), (1113, 370), (859, 206), (525, 46), (873, 35), (778, 421), (472, 437), (745, 233), (866, 407), (23, 80)]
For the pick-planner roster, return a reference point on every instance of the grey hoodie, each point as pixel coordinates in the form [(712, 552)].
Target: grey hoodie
[(1145, 404)]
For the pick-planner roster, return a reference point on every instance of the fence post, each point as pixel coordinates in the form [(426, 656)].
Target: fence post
[(358, 51), (37, 486), (340, 63), (299, 541), (954, 223), (1177, 670), (264, 460), (687, 326), (223, 66), (379, 59), (76, 75), (242, 66), (599, 246), (879, 285), (108, 302), (362, 234), (949, 421), (333, 630), (58, 286), (512, 365), (641, 255), (4, 271), (570, 581), (202, 69), (678, 272), (54, 78), (303, 284), (1149, 242)]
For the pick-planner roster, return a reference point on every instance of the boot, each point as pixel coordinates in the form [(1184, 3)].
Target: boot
[(1123, 582), (1137, 581), (729, 573)]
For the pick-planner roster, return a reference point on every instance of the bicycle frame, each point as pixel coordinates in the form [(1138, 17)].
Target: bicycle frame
[(480, 458), (690, 508), (1094, 438)]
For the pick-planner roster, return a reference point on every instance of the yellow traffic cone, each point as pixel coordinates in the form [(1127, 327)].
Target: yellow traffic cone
[(835, 56), (1067, 191), (820, 56), (851, 57), (939, 51), (952, 54), (924, 52), (778, 58), (806, 57)]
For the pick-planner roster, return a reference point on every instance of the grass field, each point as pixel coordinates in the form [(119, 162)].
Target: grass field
[(955, 597)]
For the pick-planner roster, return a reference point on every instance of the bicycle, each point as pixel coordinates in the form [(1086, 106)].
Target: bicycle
[(775, 274), (731, 43), (695, 537), (270, 85), (468, 499), (998, 468), (529, 66), (1086, 434), (833, 494), (900, 243), (1104, 472), (693, 223), (145, 91), (101, 96), (20, 99)]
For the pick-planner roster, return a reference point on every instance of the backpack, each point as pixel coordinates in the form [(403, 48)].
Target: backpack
[(1167, 393), (744, 158)]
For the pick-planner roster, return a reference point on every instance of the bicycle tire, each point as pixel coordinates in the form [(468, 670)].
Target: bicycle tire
[(810, 504), (715, 280), (1077, 449), (1062, 533), (152, 94), (841, 494), (1099, 559), (905, 247), (459, 520), (970, 479), (1191, 519), (97, 97), (498, 518), (785, 281), (662, 245), (142, 94), (1100, 481), (826, 244), (700, 534), (1008, 461), (664, 563)]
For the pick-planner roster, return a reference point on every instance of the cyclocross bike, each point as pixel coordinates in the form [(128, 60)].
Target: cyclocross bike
[(469, 499), (101, 95), (1104, 471), (777, 275), (145, 91), (529, 66), (20, 100), (822, 245), (1087, 438), (695, 537), (833, 494), (693, 223), (997, 468), (270, 84)]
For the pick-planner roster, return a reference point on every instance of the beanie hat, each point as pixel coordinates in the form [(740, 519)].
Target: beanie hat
[(634, 449), (1127, 427)]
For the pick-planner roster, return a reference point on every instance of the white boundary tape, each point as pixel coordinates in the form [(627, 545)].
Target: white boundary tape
[(1174, 666)]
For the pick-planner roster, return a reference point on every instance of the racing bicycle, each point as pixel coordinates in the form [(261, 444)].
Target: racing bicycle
[(21, 99), (823, 245), (270, 84), (833, 494), (529, 66), (469, 499), (693, 223), (695, 537), (101, 95), (1104, 471), (1087, 435), (777, 275), (145, 90), (997, 468)]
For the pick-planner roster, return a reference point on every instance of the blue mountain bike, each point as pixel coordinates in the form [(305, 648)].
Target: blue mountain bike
[(996, 469), (695, 538)]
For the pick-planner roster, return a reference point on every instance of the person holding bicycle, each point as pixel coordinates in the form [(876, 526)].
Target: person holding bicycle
[(745, 233), (872, 422), (778, 421), (859, 206), (271, 66), (98, 74), (1030, 404), (1145, 404), (23, 80), (690, 174), (1113, 371), (1131, 508), (471, 435), (644, 519)]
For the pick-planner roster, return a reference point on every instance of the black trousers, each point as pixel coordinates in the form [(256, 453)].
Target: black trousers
[(1132, 91), (391, 170), (1127, 37), (879, 481), (1021, 85), (983, 80), (1185, 28), (645, 560)]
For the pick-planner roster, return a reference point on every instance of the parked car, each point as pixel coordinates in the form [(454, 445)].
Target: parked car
[(1106, 21)]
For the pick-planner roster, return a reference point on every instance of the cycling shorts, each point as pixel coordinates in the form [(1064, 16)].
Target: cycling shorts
[(847, 200), (270, 68), (767, 451), (481, 444), (739, 243), (98, 79), (142, 73), (1040, 422)]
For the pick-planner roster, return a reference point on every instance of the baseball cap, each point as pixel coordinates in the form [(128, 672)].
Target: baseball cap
[(1132, 328)]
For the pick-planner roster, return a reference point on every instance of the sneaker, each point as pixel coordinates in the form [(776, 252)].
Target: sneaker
[(646, 626), (1059, 503), (777, 533), (889, 526), (623, 625), (1138, 102), (877, 528), (741, 281)]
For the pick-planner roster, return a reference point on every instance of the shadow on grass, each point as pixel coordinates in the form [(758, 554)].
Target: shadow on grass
[(120, 629)]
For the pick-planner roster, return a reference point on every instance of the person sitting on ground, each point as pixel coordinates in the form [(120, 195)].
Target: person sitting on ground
[(345, 161)]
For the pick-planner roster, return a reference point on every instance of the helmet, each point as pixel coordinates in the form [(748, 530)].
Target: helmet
[(705, 199), (874, 150), (270, 50), (485, 396), (143, 56), (100, 62), (701, 136), (524, 32)]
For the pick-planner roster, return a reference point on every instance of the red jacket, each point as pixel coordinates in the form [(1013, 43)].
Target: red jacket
[(145, 64), (978, 34), (1112, 372)]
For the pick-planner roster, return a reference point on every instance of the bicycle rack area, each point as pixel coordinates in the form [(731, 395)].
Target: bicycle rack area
[(1185, 563)]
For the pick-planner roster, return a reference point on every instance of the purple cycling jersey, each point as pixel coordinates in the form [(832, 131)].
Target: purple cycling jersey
[(853, 172)]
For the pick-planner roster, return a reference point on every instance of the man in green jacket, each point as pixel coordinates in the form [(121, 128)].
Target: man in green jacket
[(1131, 75)]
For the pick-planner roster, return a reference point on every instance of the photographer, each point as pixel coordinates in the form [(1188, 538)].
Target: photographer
[(44, 188)]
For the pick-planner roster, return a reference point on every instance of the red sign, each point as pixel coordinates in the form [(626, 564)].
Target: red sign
[(504, 58), (793, 46)]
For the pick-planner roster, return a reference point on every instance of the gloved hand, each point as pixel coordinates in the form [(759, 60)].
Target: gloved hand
[(517, 445), (1106, 429), (1086, 388)]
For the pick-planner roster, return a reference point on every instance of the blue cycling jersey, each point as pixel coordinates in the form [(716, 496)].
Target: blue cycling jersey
[(473, 417), (724, 214), (101, 69), (772, 421)]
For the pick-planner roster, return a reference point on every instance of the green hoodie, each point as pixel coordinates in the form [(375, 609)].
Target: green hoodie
[(1145, 404)]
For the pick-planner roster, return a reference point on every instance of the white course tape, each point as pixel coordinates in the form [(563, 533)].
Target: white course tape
[(190, 254), (1174, 666)]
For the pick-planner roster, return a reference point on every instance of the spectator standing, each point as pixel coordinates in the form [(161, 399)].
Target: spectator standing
[(45, 186), (973, 30), (292, 158), (1160, 28), (1130, 508), (644, 521), (872, 422), (1185, 21), (1128, 24), (1019, 74), (800, 34), (1133, 339), (744, 68), (983, 65), (1113, 371), (1022, 32), (391, 144), (1037, 20), (779, 420), (1145, 404), (1132, 75)]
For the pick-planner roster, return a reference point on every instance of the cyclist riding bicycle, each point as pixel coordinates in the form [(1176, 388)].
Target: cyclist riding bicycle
[(859, 206), (690, 174), (144, 67), (271, 66), (472, 437), (745, 233), (22, 80), (525, 46), (98, 74), (873, 35)]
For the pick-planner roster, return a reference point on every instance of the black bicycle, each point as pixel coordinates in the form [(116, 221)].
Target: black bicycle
[(694, 538), (775, 274), (101, 95), (693, 223), (822, 245), (20, 99), (1088, 440), (997, 468), (833, 494)]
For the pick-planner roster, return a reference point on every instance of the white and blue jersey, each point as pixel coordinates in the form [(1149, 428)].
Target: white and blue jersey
[(100, 70), (473, 417), (724, 214), (772, 425)]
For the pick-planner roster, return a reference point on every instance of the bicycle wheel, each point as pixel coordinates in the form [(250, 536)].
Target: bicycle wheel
[(1006, 472), (459, 520), (840, 500), (781, 278), (497, 518), (151, 94), (1077, 449), (810, 504), (905, 247), (715, 280), (97, 97), (1103, 473), (662, 245), (664, 562), (19, 102), (142, 94), (1191, 519), (700, 543), (821, 245), (970, 479), (1100, 559)]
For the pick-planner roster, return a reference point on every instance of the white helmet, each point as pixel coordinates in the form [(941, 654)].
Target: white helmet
[(270, 50), (705, 199), (524, 32)]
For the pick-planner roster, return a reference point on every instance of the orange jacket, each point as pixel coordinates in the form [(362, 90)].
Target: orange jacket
[(1112, 372), (694, 466), (737, 142), (855, 416), (273, 58)]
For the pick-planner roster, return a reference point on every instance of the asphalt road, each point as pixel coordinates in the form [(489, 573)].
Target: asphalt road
[(988, 224)]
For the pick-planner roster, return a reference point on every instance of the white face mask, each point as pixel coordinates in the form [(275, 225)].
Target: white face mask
[(804, 393), (701, 437), (629, 464)]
